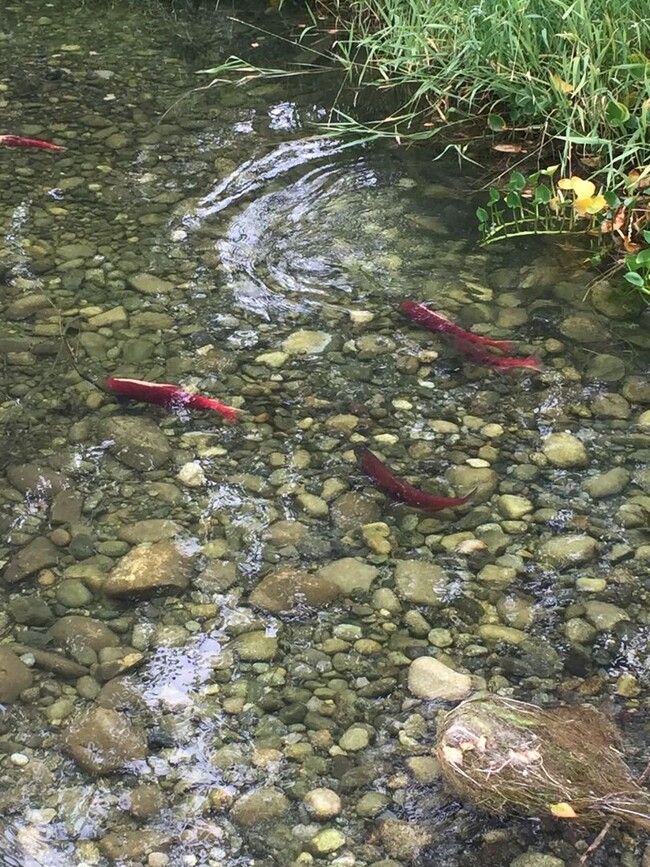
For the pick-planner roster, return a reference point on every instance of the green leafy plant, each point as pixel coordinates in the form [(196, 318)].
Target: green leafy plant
[(638, 268)]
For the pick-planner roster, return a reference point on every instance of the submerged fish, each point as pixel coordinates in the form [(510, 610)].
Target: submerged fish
[(400, 490), (167, 395), (496, 362), (19, 141), (435, 322)]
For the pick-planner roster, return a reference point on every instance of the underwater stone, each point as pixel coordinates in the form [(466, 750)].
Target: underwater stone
[(604, 616), (37, 555), (565, 450), (15, 676), (565, 551), (322, 803), (611, 405), (287, 589), (349, 574), (259, 806), (137, 442), (149, 284), (74, 631), (420, 582), (429, 678), (102, 740), (160, 567), (607, 484), (305, 342)]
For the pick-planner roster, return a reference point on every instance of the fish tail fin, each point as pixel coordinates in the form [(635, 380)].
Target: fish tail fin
[(228, 412)]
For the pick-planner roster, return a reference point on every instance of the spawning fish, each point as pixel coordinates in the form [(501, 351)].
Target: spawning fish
[(435, 322), (497, 362), (167, 395), (400, 490), (19, 141)]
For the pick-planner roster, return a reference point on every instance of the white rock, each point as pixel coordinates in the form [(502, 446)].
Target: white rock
[(192, 475), (430, 678)]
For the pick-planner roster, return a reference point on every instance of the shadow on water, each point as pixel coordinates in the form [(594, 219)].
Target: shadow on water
[(225, 246)]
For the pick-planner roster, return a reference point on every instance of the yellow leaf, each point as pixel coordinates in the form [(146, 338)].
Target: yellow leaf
[(583, 189), (590, 205), (560, 84), (563, 810), (566, 183)]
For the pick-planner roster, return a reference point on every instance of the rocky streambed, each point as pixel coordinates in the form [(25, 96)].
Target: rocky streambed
[(221, 645)]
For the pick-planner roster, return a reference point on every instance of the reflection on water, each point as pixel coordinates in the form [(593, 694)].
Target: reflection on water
[(238, 601)]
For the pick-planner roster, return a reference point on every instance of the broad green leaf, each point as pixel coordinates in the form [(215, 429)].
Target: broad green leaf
[(482, 215), (513, 199), (635, 279), (643, 258), (493, 196), (496, 123), (612, 199), (616, 113), (542, 195), (517, 181), (646, 236)]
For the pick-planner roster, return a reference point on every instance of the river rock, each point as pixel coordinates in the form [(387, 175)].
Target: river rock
[(607, 484), (352, 510), (149, 284), (584, 329), (41, 481), (565, 450), (513, 508), (136, 442), (15, 676), (74, 632), (30, 610), (305, 342), (611, 405), (605, 368), (255, 646), (565, 551), (464, 479), (149, 530), (287, 589), (420, 581), (38, 554), (125, 847), (102, 740), (537, 859), (259, 806), (429, 678), (159, 567), (26, 305), (637, 389), (349, 574), (322, 803), (403, 839), (604, 616)]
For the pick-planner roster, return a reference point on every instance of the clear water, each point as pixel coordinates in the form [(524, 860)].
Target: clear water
[(194, 238)]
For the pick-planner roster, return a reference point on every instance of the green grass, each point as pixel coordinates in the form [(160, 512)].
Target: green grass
[(576, 73)]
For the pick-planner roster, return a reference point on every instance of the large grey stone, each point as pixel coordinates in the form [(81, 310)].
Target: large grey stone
[(286, 589), (159, 567), (432, 679), (420, 581), (38, 554), (102, 740), (15, 676), (565, 551), (137, 442)]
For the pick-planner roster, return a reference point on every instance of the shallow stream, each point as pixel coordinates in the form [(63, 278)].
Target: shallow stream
[(208, 628)]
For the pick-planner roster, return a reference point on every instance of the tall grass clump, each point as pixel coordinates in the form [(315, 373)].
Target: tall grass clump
[(576, 73)]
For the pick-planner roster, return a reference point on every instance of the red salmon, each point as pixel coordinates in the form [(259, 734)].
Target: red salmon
[(19, 141), (435, 322), (164, 394), (400, 490)]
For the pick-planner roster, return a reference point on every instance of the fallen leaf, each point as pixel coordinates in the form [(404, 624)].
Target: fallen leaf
[(563, 810), (506, 148), (453, 755)]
